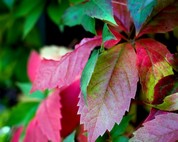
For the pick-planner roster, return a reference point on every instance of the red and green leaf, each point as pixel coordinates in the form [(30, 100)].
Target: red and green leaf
[(164, 128), (166, 86), (112, 85), (60, 73), (152, 65), (160, 21)]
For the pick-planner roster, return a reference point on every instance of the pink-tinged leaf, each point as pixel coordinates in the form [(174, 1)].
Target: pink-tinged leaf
[(152, 65), (60, 73), (34, 133), (164, 128), (122, 15), (16, 134), (33, 64), (81, 137), (159, 23), (154, 112), (173, 60), (112, 85), (48, 117), (166, 86), (69, 100)]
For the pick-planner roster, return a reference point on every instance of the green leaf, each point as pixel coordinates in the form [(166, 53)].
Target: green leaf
[(25, 7), (120, 129), (32, 18), (88, 71), (76, 1), (26, 87), (22, 113), (70, 138), (75, 15), (9, 3), (88, 23), (55, 10), (140, 10), (107, 35), (100, 9)]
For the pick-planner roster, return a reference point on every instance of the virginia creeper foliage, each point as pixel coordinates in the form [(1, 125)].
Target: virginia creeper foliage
[(110, 66)]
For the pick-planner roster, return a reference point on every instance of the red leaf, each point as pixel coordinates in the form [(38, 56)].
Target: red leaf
[(60, 73), (166, 86), (165, 20), (151, 64), (112, 85), (33, 64), (34, 133), (69, 99), (164, 128), (122, 15), (48, 117)]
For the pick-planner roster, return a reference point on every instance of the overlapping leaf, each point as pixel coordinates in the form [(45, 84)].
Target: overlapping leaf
[(166, 86), (140, 10), (63, 72), (151, 64), (173, 60), (47, 120), (101, 9), (110, 90), (122, 15), (164, 18), (164, 128)]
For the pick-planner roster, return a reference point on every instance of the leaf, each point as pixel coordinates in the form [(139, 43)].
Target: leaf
[(75, 15), (140, 10), (107, 35), (173, 60), (159, 23), (166, 86), (23, 117), (69, 100), (16, 134), (110, 90), (76, 1), (32, 18), (87, 72), (122, 15), (100, 9), (55, 10), (26, 6), (152, 65), (60, 73), (164, 128), (170, 103), (9, 3), (25, 88), (70, 138), (34, 133), (48, 117)]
